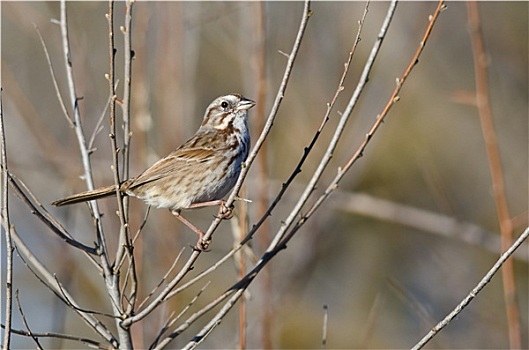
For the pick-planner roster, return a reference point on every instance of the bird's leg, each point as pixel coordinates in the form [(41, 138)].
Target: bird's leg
[(224, 212), (201, 244)]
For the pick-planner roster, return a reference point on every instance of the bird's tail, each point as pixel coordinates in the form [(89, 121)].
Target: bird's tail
[(87, 196)]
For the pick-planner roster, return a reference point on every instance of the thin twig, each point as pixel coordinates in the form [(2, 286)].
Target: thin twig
[(172, 320), (127, 34), (4, 212), (89, 342), (496, 171), (51, 282), (262, 192), (127, 134), (324, 327), (123, 201), (119, 264), (464, 303), (190, 320), (142, 226), (124, 232), (35, 339), (99, 123), (308, 149), (112, 280), (333, 185), (66, 299), (164, 278), (54, 80), (239, 225), (23, 192), (85, 153), (294, 214)]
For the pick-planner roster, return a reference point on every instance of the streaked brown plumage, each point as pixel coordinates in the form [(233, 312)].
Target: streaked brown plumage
[(204, 169)]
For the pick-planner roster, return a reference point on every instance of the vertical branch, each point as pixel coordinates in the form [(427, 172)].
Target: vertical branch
[(496, 172), (324, 327), (112, 280), (262, 177), (124, 234), (85, 152), (240, 227), (127, 34), (7, 230), (112, 120)]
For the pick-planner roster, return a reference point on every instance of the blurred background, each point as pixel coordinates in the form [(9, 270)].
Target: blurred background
[(385, 283)]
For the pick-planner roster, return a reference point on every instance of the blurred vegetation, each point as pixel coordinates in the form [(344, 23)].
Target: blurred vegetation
[(385, 284)]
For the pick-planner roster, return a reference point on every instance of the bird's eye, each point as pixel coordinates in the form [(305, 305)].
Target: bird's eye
[(224, 104)]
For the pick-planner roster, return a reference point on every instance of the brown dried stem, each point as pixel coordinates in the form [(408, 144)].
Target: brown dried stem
[(495, 167)]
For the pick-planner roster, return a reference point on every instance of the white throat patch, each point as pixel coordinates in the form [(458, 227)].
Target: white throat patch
[(226, 121)]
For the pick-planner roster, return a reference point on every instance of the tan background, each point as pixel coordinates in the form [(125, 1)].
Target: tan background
[(385, 284)]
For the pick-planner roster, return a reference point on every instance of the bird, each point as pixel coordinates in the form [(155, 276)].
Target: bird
[(199, 173)]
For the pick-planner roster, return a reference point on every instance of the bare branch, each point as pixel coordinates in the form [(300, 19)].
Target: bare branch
[(207, 329), (324, 327), (35, 339), (38, 210), (339, 129), (99, 123), (464, 303), (63, 296), (5, 223), (312, 143), (51, 282), (172, 320), (54, 79), (483, 104), (89, 342), (162, 281), (112, 279), (85, 153), (127, 134), (333, 185)]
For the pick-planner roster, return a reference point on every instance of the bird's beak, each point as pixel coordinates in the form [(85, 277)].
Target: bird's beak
[(245, 104)]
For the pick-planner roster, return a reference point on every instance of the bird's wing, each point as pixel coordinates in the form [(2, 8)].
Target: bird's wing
[(179, 160)]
